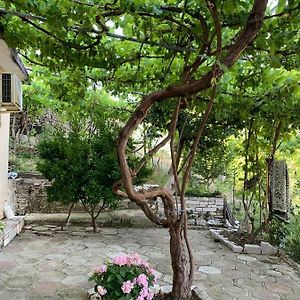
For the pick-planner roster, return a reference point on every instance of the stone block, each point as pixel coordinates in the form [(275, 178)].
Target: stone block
[(201, 199), (208, 209), (6, 239), (215, 234), (92, 295), (219, 201), (268, 249), (190, 202), (252, 249), (198, 209), (199, 293), (192, 199), (234, 248)]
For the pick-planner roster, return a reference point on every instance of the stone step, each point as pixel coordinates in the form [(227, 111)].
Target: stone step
[(12, 227)]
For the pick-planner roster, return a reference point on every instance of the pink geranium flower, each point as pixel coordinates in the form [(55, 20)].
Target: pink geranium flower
[(127, 286), (142, 280), (101, 290), (101, 269), (135, 259), (150, 296), (120, 260), (144, 292)]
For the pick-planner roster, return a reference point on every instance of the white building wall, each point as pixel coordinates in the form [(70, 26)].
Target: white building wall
[(4, 150)]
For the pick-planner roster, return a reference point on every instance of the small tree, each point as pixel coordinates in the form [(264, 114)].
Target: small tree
[(82, 169)]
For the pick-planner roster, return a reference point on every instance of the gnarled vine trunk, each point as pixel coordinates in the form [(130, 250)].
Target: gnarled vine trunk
[(176, 220), (180, 265)]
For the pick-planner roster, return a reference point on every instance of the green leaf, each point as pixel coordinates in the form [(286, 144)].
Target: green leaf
[(275, 62), (123, 272)]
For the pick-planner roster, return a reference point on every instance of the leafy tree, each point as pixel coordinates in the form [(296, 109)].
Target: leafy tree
[(81, 169), (270, 116), (169, 51)]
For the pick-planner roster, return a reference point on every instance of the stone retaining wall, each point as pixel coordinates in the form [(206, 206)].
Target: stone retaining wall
[(205, 205), (202, 210), (29, 195)]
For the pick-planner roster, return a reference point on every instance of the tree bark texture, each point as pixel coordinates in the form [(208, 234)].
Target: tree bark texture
[(180, 265)]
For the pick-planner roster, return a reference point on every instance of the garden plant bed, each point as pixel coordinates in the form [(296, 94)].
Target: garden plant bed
[(240, 239), (240, 244)]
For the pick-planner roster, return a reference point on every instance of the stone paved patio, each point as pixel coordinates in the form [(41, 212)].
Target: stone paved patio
[(56, 267)]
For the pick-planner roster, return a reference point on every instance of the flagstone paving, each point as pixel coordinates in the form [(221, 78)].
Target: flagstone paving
[(56, 266)]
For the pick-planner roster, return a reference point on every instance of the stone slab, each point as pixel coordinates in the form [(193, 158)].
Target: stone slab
[(12, 228), (252, 249), (211, 270), (234, 248), (268, 249)]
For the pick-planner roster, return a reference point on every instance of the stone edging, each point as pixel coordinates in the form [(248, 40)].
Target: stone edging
[(264, 248), (12, 227)]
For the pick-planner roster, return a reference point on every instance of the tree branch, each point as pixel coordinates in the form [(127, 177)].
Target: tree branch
[(30, 60), (173, 156), (254, 23)]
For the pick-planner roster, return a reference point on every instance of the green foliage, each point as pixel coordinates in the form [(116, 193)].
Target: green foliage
[(293, 239), (286, 236), (80, 168), (22, 163), (159, 177), (80, 157), (111, 278), (198, 192), (277, 232)]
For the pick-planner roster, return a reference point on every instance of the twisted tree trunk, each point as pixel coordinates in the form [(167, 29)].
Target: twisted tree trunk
[(176, 221), (180, 264)]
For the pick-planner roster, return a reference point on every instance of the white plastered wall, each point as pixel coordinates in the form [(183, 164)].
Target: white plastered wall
[(4, 140)]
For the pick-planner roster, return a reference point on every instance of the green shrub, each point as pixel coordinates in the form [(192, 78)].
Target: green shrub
[(197, 192), (293, 239), (277, 232)]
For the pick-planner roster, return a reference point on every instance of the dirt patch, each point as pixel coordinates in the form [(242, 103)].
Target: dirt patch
[(240, 239)]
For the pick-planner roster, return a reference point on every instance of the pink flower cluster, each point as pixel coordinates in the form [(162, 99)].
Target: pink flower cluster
[(130, 260), (141, 280), (127, 286), (101, 290), (101, 269)]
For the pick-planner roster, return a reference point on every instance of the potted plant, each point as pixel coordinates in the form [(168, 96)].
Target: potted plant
[(127, 277)]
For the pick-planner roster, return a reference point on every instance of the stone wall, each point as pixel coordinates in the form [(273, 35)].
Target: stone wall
[(205, 205), (205, 211), (28, 194), (202, 210)]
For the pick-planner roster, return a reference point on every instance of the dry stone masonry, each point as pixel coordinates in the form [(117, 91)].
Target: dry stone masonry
[(28, 194), (202, 210)]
